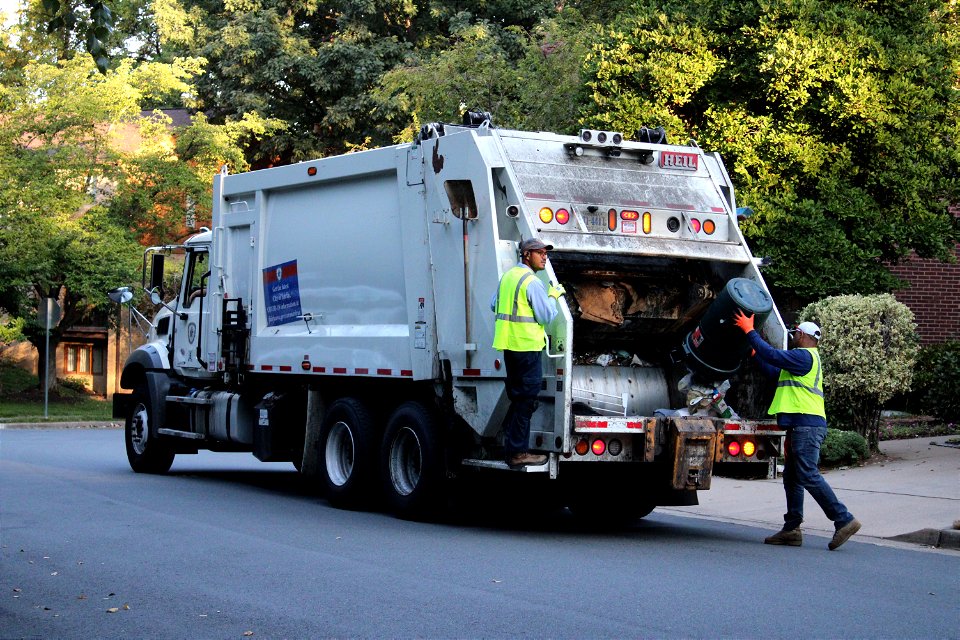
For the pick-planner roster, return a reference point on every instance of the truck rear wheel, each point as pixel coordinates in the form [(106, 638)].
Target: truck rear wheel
[(145, 452), (412, 462), (348, 453)]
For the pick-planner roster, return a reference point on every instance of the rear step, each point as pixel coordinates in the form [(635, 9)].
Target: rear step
[(180, 434), (549, 467)]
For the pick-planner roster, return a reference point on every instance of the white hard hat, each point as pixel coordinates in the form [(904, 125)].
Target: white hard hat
[(808, 328)]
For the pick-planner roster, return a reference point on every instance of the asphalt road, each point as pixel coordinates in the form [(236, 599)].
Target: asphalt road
[(228, 547)]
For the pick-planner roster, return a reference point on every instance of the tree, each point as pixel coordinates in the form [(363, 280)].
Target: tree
[(169, 178), (529, 80), (839, 122), (868, 350), (60, 169)]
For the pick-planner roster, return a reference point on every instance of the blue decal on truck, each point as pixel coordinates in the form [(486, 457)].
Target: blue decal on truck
[(281, 293)]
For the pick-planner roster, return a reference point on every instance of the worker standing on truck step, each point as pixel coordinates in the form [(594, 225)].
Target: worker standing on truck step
[(798, 404), (523, 309)]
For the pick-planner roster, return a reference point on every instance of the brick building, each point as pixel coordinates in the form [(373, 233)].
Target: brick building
[(933, 294)]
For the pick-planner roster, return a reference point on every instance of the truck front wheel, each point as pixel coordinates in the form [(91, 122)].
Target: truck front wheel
[(412, 462), (145, 452), (348, 453)]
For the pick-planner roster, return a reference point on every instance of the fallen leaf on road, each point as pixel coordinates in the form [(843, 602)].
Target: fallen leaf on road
[(126, 607)]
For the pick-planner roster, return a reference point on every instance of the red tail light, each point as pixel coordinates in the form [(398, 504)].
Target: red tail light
[(733, 448), (598, 447)]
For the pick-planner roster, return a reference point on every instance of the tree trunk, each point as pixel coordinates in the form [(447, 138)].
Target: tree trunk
[(49, 358)]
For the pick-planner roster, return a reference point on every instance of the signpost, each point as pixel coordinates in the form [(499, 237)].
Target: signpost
[(48, 314)]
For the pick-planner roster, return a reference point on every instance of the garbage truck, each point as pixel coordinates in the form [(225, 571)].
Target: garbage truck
[(337, 316)]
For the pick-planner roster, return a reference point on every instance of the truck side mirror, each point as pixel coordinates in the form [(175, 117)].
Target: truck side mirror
[(120, 295), (156, 272)]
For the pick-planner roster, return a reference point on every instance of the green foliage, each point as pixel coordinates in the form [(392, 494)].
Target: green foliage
[(868, 350), (169, 178), (843, 447), (838, 121), (15, 380), (937, 380), (530, 80), (11, 330), (75, 385)]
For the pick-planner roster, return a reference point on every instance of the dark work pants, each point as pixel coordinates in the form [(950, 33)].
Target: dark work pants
[(524, 379), (800, 472)]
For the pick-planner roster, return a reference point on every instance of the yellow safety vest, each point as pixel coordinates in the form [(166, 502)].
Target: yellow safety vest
[(800, 394), (517, 328)]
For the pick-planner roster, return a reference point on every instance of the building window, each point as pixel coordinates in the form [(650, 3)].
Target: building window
[(79, 358)]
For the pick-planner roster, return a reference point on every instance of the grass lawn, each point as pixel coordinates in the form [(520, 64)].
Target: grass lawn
[(58, 410), (22, 401)]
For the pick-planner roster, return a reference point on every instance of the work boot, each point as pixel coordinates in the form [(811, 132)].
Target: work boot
[(843, 534), (526, 459), (791, 538)]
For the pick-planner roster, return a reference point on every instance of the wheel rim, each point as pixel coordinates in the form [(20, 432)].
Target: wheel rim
[(139, 429), (339, 454), (406, 460)]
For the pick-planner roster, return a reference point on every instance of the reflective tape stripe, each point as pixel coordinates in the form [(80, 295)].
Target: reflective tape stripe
[(816, 381), (514, 317), (504, 316), (794, 383), (516, 294)]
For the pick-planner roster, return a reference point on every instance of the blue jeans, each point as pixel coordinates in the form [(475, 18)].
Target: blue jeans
[(524, 379), (800, 472)]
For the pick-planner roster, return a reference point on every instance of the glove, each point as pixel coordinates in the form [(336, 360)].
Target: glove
[(743, 321), (556, 291)]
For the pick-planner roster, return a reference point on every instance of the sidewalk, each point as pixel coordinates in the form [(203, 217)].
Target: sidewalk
[(914, 497)]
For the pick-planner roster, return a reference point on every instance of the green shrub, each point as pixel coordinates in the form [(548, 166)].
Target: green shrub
[(77, 385), (937, 380), (843, 447), (15, 380), (868, 350)]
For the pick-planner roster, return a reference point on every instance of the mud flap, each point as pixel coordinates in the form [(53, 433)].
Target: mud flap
[(694, 448)]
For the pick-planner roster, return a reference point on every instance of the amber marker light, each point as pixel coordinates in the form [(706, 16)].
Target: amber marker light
[(546, 215), (582, 447), (749, 448), (647, 222), (709, 226)]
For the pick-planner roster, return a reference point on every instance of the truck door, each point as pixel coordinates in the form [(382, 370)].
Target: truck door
[(190, 317)]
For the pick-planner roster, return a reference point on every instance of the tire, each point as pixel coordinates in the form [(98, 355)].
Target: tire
[(348, 461), (412, 467), (145, 452)]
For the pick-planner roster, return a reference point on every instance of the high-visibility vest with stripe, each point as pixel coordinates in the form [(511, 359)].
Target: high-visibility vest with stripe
[(800, 394), (517, 328)]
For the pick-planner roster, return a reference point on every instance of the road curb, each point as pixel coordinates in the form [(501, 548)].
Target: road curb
[(62, 425), (940, 538)]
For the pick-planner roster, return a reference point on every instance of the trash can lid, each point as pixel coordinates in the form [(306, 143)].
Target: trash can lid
[(750, 296)]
